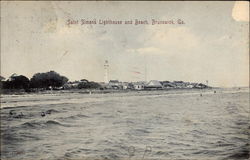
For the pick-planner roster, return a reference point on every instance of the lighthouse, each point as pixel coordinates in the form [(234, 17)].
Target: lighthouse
[(106, 71)]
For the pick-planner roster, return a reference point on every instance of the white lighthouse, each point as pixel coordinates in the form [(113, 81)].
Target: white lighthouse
[(106, 71)]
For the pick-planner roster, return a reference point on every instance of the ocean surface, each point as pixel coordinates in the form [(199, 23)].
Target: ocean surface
[(171, 125)]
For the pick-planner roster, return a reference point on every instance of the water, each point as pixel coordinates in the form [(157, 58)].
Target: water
[(134, 125)]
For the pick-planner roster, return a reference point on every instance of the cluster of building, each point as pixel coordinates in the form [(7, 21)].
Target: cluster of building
[(152, 85), (140, 85)]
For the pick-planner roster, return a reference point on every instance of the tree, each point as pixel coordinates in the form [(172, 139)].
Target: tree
[(2, 82), (84, 80), (17, 82), (48, 79), (88, 85)]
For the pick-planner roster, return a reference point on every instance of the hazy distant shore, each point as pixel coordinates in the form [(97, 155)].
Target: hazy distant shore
[(93, 91)]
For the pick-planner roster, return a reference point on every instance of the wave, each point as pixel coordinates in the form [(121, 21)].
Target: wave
[(142, 131), (73, 117), (42, 124), (28, 125), (10, 138), (242, 153), (15, 137), (162, 153), (53, 123), (51, 111)]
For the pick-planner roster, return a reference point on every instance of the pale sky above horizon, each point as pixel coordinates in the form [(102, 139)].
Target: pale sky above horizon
[(212, 45)]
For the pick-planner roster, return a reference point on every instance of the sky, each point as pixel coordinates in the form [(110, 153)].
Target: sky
[(212, 44)]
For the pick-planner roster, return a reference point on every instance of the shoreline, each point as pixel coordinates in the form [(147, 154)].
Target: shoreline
[(109, 91), (75, 97), (97, 91)]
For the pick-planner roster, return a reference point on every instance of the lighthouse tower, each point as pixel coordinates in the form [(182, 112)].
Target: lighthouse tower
[(106, 71)]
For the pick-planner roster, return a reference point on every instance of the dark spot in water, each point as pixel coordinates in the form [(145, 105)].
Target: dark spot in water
[(19, 115), (43, 114), (12, 112)]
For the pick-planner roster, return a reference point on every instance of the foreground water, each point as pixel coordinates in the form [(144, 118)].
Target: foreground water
[(134, 125)]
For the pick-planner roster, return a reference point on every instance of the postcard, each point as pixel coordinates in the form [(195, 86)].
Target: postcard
[(125, 80)]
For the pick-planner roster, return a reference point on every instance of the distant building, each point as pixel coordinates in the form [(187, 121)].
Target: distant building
[(153, 84), (106, 71), (190, 86), (71, 85), (179, 84), (103, 85), (115, 84), (167, 84), (125, 85), (201, 86), (138, 85)]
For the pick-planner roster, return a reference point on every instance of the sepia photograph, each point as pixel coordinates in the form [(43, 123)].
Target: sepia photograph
[(124, 80)]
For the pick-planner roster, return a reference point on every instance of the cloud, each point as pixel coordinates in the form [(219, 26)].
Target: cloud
[(166, 40), (172, 37)]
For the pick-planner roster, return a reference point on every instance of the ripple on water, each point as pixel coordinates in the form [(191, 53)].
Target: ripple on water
[(212, 130)]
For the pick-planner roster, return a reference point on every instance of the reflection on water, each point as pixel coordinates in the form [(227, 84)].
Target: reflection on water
[(144, 125)]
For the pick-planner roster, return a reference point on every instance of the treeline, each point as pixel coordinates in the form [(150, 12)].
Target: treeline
[(45, 81)]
